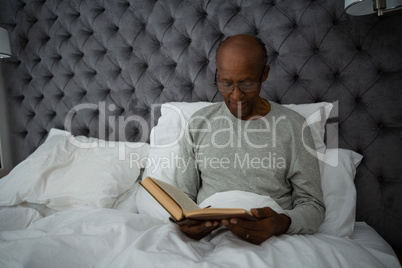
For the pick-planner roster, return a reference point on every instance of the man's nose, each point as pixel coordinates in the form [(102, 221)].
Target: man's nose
[(237, 94)]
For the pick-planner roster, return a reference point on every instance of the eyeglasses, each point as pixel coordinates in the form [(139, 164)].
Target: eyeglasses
[(245, 87)]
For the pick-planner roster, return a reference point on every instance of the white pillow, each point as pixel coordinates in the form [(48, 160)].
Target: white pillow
[(68, 171), (339, 191), (165, 137)]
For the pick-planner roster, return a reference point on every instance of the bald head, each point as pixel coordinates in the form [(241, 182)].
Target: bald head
[(243, 45)]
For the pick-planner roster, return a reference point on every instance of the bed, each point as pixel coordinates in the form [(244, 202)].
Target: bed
[(96, 94)]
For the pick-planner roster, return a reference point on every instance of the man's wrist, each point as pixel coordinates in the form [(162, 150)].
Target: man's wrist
[(284, 224)]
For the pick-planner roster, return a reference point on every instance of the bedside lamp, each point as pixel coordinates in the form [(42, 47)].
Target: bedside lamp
[(364, 7), (5, 52)]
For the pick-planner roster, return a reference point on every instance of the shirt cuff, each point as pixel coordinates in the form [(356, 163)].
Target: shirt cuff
[(297, 222)]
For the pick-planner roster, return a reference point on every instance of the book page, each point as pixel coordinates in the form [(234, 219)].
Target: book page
[(219, 214), (185, 202)]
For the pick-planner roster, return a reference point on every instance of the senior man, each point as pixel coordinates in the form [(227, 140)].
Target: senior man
[(244, 132)]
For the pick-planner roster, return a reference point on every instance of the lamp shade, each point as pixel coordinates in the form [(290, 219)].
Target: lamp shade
[(364, 7), (1, 157), (5, 51)]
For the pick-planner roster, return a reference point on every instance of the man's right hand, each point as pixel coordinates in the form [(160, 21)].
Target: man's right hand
[(197, 229)]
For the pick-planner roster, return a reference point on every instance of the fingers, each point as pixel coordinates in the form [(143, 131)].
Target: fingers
[(251, 235), (257, 231), (264, 212), (198, 229)]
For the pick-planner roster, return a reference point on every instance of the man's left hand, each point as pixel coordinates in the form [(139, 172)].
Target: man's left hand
[(268, 223)]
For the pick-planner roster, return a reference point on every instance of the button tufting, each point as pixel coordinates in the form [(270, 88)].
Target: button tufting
[(336, 75), (358, 99), (43, 133), (359, 47)]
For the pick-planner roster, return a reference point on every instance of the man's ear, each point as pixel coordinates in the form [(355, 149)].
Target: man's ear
[(266, 72)]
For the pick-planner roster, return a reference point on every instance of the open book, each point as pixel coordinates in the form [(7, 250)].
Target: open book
[(181, 207)]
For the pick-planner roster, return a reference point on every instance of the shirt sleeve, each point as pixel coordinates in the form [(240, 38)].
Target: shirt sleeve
[(187, 176), (308, 205)]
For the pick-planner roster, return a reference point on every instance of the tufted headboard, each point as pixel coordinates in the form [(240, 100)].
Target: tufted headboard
[(101, 68)]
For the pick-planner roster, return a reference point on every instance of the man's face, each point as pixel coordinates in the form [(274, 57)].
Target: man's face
[(234, 67)]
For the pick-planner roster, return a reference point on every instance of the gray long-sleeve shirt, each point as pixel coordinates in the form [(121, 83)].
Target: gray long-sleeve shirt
[(266, 156)]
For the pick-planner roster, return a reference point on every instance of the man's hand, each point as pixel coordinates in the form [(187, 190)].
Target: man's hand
[(197, 229), (268, 223)]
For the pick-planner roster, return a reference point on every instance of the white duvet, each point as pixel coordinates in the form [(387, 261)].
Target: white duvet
[(99, 237), (71, 206)]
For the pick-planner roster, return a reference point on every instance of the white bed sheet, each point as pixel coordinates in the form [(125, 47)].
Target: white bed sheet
[(101, 237)]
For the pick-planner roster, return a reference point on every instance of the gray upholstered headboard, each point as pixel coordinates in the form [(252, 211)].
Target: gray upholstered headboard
[(116, 58)]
